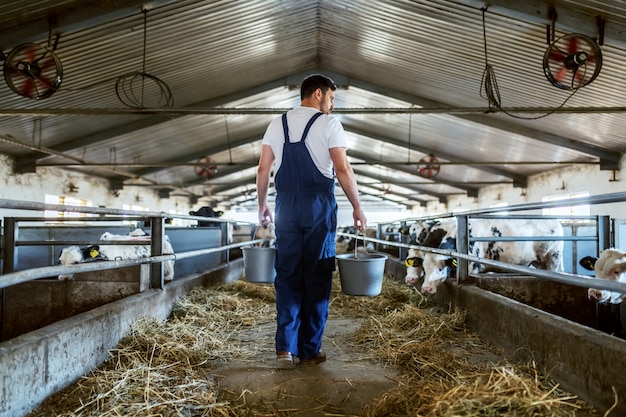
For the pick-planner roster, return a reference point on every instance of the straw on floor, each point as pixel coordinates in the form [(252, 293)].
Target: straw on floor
[(164, 368)]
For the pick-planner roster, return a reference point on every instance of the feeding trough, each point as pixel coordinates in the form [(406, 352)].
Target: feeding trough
[(258, 263), (361, 273)]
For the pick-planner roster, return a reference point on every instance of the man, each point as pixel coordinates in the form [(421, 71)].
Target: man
[(308, 148)]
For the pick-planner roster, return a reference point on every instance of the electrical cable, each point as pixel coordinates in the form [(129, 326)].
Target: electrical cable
[(490, 84), (126, 87)]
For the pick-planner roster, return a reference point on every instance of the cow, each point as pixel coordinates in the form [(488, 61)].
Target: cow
[(266, 232), (343, 241), (429, 233), (207, 212), (353, 243), (75, 255), (611, 265), (538, 254), (394, 234)]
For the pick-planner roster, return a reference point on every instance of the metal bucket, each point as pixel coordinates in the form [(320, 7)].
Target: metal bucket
[(258, 264), (361, 274)]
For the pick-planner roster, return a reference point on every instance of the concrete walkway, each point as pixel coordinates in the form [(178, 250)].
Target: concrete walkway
[(343, 385)]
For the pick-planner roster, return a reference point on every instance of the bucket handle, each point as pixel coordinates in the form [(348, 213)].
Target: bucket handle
[(356, 245)]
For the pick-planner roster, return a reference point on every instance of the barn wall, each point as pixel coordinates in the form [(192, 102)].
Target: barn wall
[(567, 180), (35, 186)]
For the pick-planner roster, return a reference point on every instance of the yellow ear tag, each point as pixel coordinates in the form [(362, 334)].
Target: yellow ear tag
[(93, 253), (409, 262)]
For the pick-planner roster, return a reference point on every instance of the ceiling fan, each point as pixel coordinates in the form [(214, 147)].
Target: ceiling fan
[(32, 71), (572, 61)]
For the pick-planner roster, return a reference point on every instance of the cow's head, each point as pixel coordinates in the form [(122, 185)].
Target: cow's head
[(418, 232), (441, 267), (414, 266), (611, 265), (75, 255), (266, 232)]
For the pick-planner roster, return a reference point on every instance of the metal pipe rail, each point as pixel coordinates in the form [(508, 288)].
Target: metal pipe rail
[(578, 201), (48, 271), (135, 215), (531, 238), (573, 279)]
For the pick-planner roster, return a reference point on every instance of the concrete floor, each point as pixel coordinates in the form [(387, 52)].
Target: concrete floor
[(343, 385)]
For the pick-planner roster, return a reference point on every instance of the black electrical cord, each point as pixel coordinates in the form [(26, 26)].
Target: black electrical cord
[(126, 86), (490, 84)]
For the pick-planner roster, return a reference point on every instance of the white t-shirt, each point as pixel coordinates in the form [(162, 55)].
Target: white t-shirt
[(327, 132)]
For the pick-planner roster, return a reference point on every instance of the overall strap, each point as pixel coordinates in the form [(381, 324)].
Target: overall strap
[(309, 124), (306, 129), (285, 128)]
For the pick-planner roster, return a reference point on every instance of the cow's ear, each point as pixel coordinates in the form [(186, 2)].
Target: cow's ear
[(92, 252), (588, 262), (452, 263)]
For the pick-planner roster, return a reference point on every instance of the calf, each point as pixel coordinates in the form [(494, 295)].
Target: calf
[(611, 265), (353, 244), (538, 254), (341, 242), (267, 232), (207, 212), (74, 255), (430, 234)]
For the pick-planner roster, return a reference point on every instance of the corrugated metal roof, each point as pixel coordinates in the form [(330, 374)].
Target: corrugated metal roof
[(426, 59)]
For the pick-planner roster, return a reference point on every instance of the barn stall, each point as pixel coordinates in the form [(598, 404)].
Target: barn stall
[(551, 338)]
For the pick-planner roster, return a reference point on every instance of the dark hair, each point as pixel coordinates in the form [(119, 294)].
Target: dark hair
[(313, 82)]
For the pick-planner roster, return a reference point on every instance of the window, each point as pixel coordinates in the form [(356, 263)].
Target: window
[(567, 210), (69, 201), (132, 207)]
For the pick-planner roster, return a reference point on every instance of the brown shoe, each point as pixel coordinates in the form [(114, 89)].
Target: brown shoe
[(284, 360), (321, 357)]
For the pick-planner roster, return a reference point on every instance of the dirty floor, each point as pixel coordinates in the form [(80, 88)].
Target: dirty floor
[(341, 386)]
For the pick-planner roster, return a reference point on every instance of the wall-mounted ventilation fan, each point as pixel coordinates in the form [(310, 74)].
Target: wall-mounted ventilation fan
[(428, 167), (207, 168), (33, 71), (572, 61)]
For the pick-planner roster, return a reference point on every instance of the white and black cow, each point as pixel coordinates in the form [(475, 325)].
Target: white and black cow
[(341, 242), (538, 254), (207, 212), (394, 234), (611, 265), (362, 245), (429, 233), (75, 255), (266, 232)]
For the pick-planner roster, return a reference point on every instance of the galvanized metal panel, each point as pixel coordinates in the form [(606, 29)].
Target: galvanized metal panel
[(251, 54)]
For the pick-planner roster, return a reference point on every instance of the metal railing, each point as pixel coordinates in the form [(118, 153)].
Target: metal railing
[(18, 277), (602, 238), (100, 214), (573, 279)]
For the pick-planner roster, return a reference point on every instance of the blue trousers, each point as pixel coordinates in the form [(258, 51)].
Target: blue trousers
[(305, 260)]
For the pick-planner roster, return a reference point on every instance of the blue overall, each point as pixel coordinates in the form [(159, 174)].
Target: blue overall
[(306, 223)]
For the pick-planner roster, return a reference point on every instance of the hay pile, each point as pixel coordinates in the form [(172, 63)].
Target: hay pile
[(164, 368), (447, 370)]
